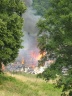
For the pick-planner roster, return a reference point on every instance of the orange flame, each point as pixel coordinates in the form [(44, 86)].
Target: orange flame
[(22, 62), (37, 56), (41, 55)]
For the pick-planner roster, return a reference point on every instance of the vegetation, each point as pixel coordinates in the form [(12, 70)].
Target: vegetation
[(26, 86), (10, 29), (41, 6), (55, 38)]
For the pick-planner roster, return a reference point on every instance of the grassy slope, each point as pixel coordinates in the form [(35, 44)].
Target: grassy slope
[(26, 85)]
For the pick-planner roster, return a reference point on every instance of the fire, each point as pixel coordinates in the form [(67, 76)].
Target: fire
[(41, 55), (37, 56), (22, 62)]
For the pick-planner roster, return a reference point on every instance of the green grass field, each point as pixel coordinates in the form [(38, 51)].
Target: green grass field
[(26, 85)]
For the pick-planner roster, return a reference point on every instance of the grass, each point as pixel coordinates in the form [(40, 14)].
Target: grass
[(26, 85)]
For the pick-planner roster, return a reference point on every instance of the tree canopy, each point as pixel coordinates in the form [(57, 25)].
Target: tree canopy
[(10, 29), (55, 38), (41, 6)]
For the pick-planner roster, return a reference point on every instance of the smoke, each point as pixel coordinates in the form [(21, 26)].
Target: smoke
[(30, 35), (28, 3)]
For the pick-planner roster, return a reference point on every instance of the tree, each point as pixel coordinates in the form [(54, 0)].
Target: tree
[(55, 37), (40, 6), (10, 29)]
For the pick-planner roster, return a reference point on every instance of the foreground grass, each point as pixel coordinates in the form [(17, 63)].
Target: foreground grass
[(26, 85)]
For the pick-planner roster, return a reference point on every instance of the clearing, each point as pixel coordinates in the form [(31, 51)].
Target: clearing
[(26, 85)]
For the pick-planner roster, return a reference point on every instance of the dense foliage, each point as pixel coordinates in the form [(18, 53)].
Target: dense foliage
[(55, 38), (41, 6), (10, 29)]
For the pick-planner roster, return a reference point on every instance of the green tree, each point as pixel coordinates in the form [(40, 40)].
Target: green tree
[(10, 29), (55, 37), (40, 6)]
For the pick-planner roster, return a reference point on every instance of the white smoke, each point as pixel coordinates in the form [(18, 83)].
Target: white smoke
[(30, 34), (28, 3)]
